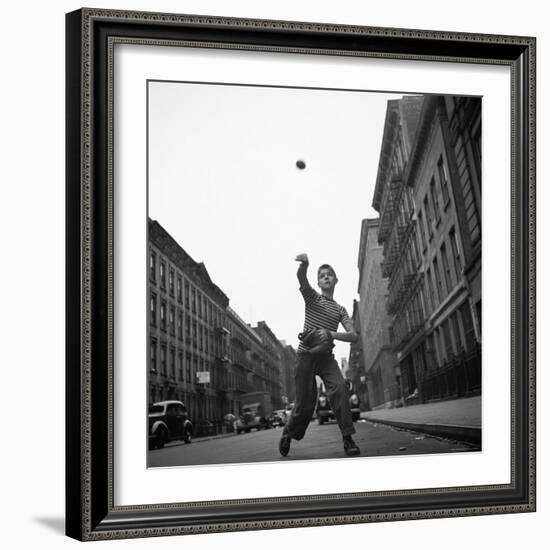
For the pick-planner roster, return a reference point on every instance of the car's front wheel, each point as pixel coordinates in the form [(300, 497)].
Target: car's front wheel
[(162, 438)]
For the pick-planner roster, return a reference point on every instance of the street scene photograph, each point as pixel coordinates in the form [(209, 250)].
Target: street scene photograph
[(314, 274)]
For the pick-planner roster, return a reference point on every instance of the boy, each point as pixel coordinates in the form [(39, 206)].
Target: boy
[(321, 312)]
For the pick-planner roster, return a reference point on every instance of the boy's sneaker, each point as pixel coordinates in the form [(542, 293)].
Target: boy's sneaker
[(350, 448), (284, 442)]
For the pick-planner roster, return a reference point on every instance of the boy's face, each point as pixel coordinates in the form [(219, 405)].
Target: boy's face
[(326, 279)]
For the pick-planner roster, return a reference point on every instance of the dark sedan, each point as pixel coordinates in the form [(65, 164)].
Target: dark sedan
[(168, 420), (324, 411)]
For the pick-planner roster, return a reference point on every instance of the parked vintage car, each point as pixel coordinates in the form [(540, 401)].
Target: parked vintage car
[(168, 420), (249, 421), (324, 411), (278, 418), (354, 403)]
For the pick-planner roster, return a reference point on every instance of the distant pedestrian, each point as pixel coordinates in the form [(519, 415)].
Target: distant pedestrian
[(229, 420), (322, 318)]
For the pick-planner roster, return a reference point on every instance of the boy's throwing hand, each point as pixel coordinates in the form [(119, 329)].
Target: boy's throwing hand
[(302, 258)]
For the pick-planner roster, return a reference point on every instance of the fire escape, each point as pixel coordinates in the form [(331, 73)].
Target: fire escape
[(396, 235)]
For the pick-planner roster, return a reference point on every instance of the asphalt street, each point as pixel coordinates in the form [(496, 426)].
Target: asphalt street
[(320, 442)]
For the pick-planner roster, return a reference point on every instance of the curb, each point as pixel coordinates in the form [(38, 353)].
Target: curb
[(468, 434)]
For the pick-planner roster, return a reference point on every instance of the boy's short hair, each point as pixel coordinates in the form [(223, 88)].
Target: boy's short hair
[(326, 266)]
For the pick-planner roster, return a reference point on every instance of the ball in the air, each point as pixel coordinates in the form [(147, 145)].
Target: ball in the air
[(300, 164)]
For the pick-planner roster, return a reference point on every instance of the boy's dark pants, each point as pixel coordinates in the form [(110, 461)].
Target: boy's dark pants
[(326, 367)]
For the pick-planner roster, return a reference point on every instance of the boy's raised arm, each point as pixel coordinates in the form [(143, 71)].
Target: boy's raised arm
[(302, 269)]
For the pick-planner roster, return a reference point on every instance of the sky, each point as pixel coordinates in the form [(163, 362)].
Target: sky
[(223, 182)]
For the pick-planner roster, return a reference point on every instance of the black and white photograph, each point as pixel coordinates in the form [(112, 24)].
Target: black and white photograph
[(185, 183), (313, 273), (277, 311)]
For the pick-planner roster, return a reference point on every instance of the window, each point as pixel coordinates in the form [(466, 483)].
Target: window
[(420, 308), (457, 262), (153, 266), (430, 352), (188, 367), (163, 358), (447, 342), (435, 201), (415, 251), (195, 366), (193, 301), (399, 152), (469, 331), (200, 304), (459, 344), (402, 213), (172, 321), (421, 230), (163, 315), (163, 275), (172, 362), (153, 355), (188, 326), (428, 213), (180, 325), (395, 168), (409, 197), (425, 299), (153, 308), (446, 268), (180, 365), (187, 295), (476, 149), (179, 285), (438, 284), (443, 180), (438, 347), (171, 282), (194, 334)]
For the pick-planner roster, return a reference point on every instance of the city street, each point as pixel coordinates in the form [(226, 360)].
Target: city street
[(320, 442)]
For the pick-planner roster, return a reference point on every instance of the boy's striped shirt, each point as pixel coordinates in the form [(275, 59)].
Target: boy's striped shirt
[(321, 312)]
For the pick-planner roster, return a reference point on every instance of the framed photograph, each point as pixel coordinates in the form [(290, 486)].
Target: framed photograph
[(300, 274)]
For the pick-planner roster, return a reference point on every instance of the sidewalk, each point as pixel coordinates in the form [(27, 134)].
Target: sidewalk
[(455, 419)]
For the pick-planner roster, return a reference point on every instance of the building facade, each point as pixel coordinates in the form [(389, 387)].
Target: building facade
[(273, 360), (187, 330), (289, 366), (356, 364), (429, 222), (246, 361), (380, 364), (465, 135)]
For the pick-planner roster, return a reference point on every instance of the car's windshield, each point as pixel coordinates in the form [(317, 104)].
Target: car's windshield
[(156, 408)]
